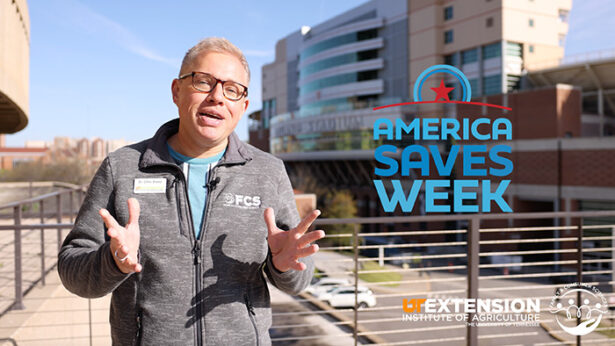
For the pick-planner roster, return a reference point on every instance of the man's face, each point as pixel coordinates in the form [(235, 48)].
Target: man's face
[(207, 119)]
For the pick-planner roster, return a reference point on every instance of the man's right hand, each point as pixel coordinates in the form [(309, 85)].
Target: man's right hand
[(125, 240)]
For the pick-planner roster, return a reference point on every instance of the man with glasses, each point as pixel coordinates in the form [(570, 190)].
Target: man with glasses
[(182, 227)]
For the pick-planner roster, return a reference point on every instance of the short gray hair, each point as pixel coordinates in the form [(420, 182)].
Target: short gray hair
[(218, 45)]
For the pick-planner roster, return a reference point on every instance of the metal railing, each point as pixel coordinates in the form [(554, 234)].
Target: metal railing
[(465, 262), (458, 256), (60, 208), (573, 59)]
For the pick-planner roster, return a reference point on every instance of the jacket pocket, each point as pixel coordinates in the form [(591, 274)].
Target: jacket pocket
[(139, 333), (252, 316), (175, 186)]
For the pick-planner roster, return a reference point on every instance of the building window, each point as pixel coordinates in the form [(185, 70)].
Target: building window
[(469, 56), (493, 50), (561, 40), (492, 85), (513, 49), (450, 59), (448, 13), (474, 86), (531, 48), (448, 36), (563, 16), (531, 23), (489, 22)]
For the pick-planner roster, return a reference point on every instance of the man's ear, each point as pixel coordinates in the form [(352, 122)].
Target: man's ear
[(246, 102), (175, 90)]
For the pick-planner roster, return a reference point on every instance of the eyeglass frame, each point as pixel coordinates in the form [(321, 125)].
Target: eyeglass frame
[(191, 74)]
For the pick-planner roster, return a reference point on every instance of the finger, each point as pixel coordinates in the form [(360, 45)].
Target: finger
[(114, 234), (298, 266), (122, 251), (109, 219), (303, 226), (270, 221), (134, 210), (310, 237), (307, 251)]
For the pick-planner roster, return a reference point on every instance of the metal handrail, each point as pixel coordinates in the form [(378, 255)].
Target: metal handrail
[(470, 248)]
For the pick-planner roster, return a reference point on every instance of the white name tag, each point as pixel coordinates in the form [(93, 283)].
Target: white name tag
[(150, 185)]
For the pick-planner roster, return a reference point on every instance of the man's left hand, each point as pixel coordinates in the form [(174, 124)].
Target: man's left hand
[(288, 246)]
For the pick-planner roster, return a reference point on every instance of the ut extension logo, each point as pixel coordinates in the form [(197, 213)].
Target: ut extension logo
[(578, 308), (241, 201)]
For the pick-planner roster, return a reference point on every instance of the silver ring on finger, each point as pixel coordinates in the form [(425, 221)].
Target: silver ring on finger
[(122, 260)]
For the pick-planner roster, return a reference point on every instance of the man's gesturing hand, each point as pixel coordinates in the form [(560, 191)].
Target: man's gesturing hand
[(125, 240), (288, 246)]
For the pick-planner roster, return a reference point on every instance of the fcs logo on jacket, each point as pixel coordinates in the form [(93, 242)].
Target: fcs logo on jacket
[(241, 201)]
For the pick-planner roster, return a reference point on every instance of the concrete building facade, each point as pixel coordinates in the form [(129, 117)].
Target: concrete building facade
[(319, 92), (14, 65)]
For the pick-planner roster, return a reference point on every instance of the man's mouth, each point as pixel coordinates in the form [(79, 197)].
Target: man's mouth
[(211, 115)]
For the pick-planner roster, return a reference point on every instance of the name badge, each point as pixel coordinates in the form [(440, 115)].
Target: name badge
[(150, 185)]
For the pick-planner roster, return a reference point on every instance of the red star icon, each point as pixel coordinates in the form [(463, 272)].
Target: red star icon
[(442, 91)]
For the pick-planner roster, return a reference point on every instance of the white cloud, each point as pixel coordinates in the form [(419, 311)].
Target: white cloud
[(104, 27)]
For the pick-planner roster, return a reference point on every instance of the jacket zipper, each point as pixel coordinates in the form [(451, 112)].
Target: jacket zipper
[(251, 314), (139, 328), (196, 252), (197, 246)]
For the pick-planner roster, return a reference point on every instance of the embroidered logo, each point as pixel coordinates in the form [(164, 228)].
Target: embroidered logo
[(241, 201)]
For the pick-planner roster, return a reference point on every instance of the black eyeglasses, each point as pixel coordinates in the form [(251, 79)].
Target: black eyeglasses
[(205, 82)]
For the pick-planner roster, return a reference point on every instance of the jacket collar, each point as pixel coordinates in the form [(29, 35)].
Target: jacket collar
[(157, 153)]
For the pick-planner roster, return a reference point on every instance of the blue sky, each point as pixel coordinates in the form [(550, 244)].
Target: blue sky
[(104, 68)]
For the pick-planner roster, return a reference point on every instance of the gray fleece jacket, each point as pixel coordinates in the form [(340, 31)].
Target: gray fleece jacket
[(209, 291)]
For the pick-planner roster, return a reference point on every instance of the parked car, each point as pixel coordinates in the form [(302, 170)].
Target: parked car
[(343, 297), (325, 284)]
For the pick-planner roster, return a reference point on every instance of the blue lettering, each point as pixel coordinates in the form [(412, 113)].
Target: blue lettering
[(501, 160), (450, 131), (443, 169), (469, 160), (430, 125), (398, 196), (412, 127), (475, 132), (388, 130), (460, 196), (496, 196), (391, 162), (431, 195), (507, 130), (422, 163)]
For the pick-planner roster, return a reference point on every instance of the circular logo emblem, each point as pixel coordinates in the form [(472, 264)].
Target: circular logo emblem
[(452, 70), (229, 198), (578, 309)]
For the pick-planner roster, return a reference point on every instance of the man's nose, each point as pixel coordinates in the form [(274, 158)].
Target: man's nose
[(216, 94)]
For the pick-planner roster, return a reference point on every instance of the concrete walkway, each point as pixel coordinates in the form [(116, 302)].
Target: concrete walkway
[(53, 316)]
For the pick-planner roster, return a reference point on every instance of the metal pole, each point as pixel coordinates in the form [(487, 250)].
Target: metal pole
[(72, 207), (579, 269), (18, 305), (42, 216), (472, 269), (59, 219), (90, 318), (356, 282)]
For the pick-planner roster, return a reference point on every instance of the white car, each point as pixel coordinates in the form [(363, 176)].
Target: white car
[(325, 284), (344, 297)]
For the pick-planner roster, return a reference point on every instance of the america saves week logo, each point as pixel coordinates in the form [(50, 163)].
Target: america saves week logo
[(479, 162)]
